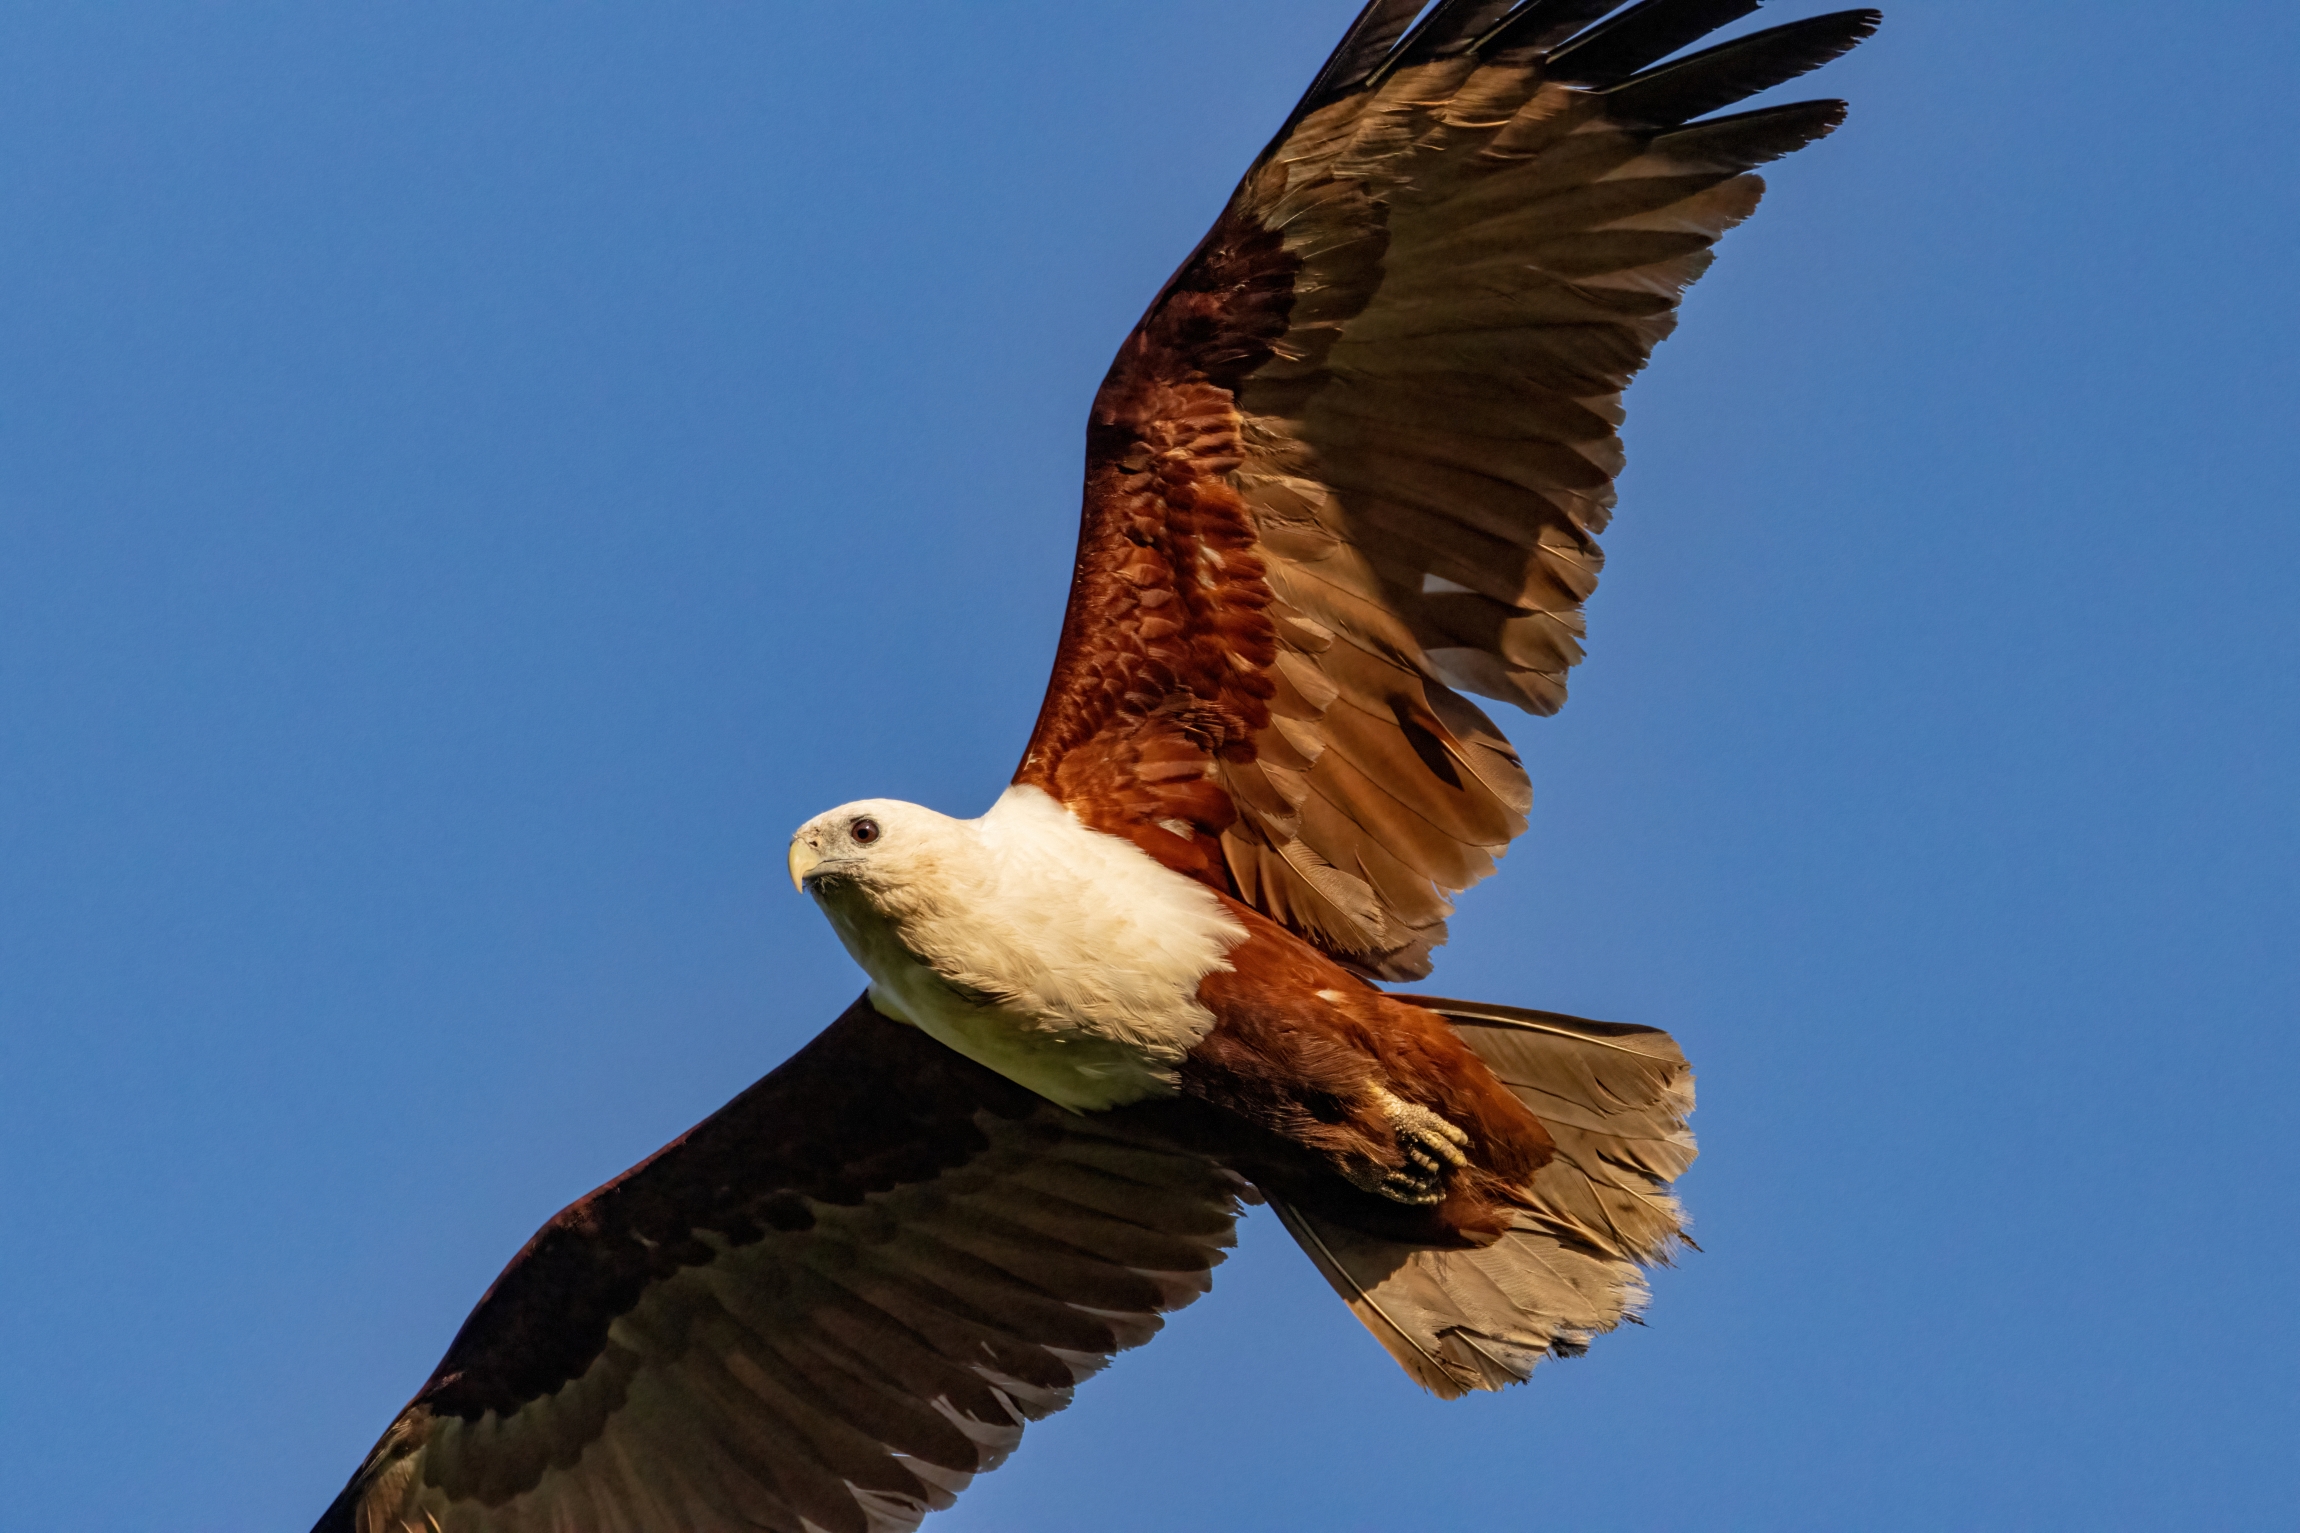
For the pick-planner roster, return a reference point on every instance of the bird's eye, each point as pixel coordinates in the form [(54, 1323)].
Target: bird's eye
[(864, 832)]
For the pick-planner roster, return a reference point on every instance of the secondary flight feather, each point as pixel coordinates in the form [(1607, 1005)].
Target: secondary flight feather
[(1348, 472)]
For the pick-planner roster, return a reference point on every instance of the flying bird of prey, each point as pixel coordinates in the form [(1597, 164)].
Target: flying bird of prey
[(1349, 469)]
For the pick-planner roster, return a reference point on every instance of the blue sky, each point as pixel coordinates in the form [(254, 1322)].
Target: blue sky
[(472, 479)]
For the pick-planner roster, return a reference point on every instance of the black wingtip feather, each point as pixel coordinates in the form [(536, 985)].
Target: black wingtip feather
[(1390, 34), (1360, 52), (1718, 77), (1644, 34), (1455, 26), (1542, 23), (1749, 139)]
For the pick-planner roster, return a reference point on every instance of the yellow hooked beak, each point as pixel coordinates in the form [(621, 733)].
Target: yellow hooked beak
[(804, 860)]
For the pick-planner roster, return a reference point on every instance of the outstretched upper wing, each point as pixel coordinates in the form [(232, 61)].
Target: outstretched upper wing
[(1354, 459), (826, 1308)]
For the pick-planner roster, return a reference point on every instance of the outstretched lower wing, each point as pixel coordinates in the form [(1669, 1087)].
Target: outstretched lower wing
[(1354, 460), (824, 1310)]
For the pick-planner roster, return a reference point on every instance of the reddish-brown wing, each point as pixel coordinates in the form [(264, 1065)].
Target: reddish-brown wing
[(1353, 462), (827, 1307), (1168, 645)]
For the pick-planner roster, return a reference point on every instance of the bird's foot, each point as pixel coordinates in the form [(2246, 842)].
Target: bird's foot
[(1431, 1147)]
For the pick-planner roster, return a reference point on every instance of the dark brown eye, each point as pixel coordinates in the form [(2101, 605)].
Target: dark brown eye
[(863, 831)]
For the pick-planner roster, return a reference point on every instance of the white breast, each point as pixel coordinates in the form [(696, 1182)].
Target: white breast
[(1063, 958)]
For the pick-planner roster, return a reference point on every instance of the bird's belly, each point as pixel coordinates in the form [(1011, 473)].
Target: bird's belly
[(1075, 1065)]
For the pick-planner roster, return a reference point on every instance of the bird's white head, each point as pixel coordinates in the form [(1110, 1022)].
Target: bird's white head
[(869, 847), (888, 875)]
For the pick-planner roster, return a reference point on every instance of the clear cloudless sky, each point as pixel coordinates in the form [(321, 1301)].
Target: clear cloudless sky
[(472, 478)]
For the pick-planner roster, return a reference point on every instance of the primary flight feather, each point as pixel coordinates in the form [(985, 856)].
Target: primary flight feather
[(1348, 470)]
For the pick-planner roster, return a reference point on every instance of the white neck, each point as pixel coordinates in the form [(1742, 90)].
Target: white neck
[(1064, 958)]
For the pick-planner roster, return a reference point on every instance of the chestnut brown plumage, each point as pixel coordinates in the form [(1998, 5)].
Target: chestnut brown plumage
[(1348, 471), (1355, 458)]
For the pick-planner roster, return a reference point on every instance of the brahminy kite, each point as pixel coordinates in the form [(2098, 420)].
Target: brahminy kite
[(1350, 467)]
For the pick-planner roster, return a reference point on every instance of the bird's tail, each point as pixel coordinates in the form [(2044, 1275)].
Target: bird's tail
[(1614, 1099)]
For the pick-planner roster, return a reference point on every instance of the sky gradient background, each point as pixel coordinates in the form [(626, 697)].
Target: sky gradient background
[(473, 478)]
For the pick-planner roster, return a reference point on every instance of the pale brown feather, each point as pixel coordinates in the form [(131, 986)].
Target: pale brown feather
[(1614, 1100)]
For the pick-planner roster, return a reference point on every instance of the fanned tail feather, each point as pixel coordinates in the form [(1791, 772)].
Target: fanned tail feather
[(1615, 1099)]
